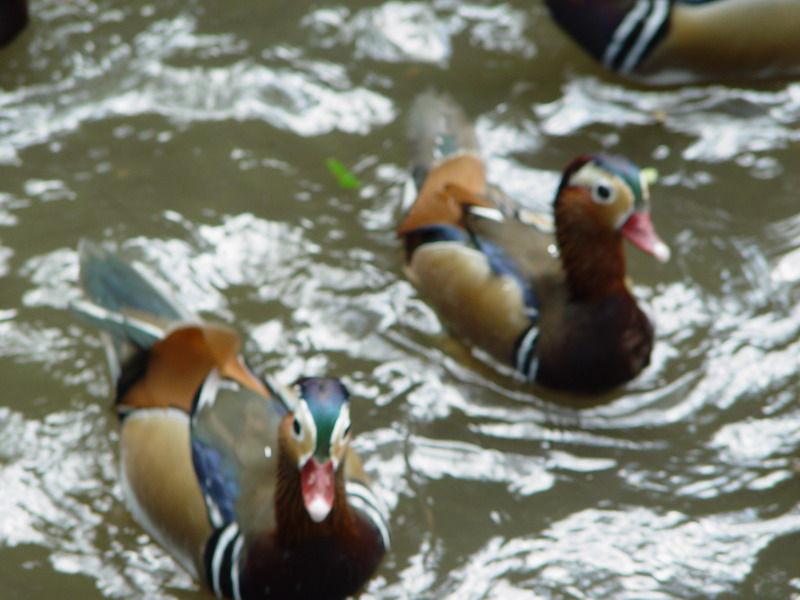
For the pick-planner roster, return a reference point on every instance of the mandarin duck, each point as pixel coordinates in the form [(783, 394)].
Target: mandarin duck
[(13, 18), (675, 41), (553, 304), (252, 487)]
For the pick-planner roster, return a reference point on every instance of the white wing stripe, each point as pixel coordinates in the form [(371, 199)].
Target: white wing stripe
[(237, 552), (525, 350)]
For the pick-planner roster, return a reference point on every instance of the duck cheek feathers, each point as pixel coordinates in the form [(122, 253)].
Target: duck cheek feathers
[(296, 449), (317, 482)]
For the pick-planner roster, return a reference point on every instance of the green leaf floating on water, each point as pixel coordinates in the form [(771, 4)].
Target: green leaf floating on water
[(343, 175)]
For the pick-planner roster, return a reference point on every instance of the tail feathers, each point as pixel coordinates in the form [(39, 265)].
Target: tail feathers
[(136, 331), (123, 335), (122, 304), (437, 128), (111, 283)]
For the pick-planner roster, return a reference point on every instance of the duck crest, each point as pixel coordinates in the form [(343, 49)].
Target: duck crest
[(618, 33), (326, 399)]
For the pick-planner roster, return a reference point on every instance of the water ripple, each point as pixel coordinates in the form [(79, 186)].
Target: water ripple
[(191, 136), (138, 80), (721, 123), (630, 555), (58, 478)]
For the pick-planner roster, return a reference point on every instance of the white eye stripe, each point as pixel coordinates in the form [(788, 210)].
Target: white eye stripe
[(340, 429), (342, 423), (644, 184), (589, 175), (308, 430), (604, 191)]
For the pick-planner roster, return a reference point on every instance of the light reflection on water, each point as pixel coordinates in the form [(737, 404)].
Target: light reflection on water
[(194, 139), (60, 488), (726, 122)]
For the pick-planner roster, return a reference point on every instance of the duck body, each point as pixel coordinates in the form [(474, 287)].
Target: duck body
[(13, 19), (551, 301), (252, 487), (677, 41)]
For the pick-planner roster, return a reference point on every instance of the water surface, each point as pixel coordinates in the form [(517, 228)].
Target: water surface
[(193, 136)]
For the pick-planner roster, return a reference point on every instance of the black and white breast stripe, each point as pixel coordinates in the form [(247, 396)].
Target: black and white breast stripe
[(637, 34), (525, 359), (223, 550), (221, 559), (360, 497)]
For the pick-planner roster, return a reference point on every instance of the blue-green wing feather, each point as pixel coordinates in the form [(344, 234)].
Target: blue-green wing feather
[(234, 450)]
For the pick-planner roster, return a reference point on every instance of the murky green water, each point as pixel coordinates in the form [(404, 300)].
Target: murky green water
[(193, 135)]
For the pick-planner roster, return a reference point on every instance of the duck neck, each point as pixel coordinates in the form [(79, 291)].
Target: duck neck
[(593, 259), (293, 523)]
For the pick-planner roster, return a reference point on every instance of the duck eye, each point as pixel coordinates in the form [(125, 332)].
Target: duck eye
[(603, 192), (297, 428)]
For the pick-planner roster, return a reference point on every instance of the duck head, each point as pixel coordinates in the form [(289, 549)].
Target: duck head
[(316, 436), (609, 193), (618, 33)]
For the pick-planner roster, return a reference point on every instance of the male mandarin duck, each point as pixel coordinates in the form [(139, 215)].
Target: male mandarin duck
[(674, 41), (555, 306), (252, 487), (13, 18)]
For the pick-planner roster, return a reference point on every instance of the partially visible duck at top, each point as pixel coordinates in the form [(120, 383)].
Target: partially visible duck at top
[(680, 41), (13, 18), (555, 305)]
